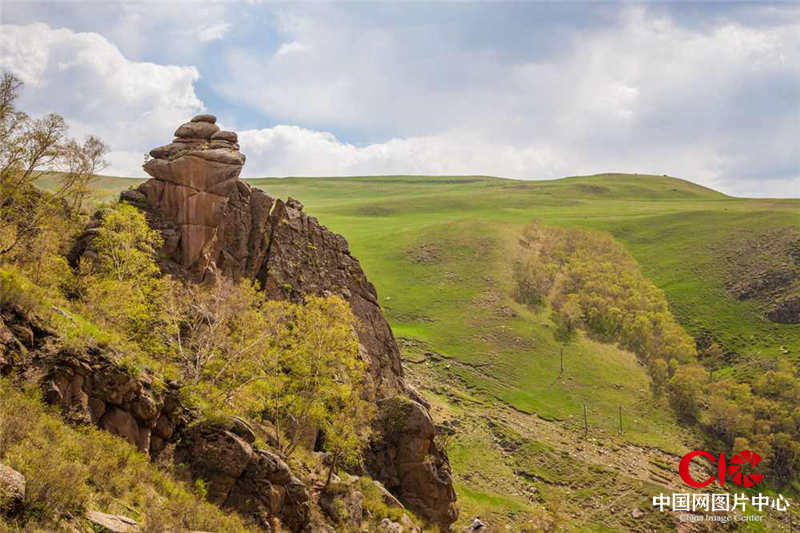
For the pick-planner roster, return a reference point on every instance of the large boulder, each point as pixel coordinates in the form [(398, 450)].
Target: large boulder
[(12, 490), (254, 482), (410, 462)]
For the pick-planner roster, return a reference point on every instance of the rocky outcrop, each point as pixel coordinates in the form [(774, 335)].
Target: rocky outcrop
[(410, 462), (251, 481), (91, 388), (12, 490), (214, 225)]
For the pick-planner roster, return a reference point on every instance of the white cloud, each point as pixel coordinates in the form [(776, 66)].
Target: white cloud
[(212, 32), (131, 105), (518, 90), (290, 150), (715, 103)]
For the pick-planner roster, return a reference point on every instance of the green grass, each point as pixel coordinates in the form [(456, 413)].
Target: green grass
[(438, 250)]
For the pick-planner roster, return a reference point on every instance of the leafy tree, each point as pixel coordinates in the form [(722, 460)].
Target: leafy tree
[(323, 372), (120, 282), (686, 390), (27, 148)]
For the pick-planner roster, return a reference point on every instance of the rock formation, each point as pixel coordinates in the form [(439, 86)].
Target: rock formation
[(214, 225), (91, 388), (254, 482)]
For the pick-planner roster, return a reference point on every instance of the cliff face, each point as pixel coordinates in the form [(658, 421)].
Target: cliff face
[(216, 225)]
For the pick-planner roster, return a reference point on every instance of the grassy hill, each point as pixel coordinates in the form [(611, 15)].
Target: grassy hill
[(438, 249)]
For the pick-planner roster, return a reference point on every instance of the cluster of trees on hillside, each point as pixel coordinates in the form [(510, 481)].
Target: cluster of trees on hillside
[(590, 282), (289, 365)]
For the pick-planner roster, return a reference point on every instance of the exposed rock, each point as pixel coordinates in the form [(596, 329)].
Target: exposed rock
[(345, 508), (201, 130), (408, 460), (111, 523), (12, 490), (254, 482), (214, 225), (91, 388), (229, 136), (785, 310), (205, 118), (243, 430)]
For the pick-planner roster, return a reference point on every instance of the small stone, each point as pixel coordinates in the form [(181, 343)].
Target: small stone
[(229, 136), (211, 119), (112, 523)]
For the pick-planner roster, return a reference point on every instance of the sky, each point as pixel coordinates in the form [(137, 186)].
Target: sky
[(530, 90)]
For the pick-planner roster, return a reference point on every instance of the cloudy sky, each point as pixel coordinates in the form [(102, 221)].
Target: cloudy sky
[(709, 92)]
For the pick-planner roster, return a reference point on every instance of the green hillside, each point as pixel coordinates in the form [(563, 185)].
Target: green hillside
[(439, 252)]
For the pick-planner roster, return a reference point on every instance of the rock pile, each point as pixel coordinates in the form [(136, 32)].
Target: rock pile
[(194, 176), (252, 481)]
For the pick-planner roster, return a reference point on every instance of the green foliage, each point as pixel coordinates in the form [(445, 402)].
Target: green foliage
[(125, 246), (592, 282), (120, 282), (28, 146)]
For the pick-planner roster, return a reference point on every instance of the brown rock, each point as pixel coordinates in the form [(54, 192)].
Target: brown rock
[(199, 130), (229, 136), (111, 523), (407, 459), (256, 483), (211, 119), (12, 490), (145, 408), (120, 422)]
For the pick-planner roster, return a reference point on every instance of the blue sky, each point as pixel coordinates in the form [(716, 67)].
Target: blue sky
[(709, 92)]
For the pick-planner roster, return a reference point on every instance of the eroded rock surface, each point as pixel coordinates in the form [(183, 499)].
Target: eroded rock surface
[(251, 481), (410, 462), (214, 224)]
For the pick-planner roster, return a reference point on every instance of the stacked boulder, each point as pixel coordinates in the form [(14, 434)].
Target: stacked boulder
[(194, 176)]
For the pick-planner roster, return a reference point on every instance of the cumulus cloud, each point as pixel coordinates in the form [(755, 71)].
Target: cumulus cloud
[(131, 105), (527, 90), (714, 102)]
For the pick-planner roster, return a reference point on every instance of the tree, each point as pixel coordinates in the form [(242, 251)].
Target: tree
[(347, 429), (323, 366), (124, 246), (28, 147), (120, 282), (686, 390), (225, 338)]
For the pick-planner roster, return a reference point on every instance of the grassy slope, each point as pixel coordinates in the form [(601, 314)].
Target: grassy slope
[(437, 249)]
